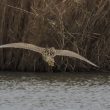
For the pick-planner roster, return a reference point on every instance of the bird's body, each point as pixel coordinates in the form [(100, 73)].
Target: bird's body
[(48, 54)]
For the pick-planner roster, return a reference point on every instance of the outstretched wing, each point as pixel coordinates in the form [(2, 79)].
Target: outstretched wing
[(23, 46), (73, 54)]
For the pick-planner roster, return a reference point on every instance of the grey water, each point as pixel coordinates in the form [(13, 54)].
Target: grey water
[(54, 91)]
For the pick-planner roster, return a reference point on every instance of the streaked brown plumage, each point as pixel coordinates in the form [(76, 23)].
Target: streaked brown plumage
[(48, 54)]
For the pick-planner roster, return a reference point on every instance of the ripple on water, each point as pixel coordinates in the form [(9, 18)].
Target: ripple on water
[(54, 91)]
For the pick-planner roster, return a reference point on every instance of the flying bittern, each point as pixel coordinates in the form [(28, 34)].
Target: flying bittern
[(48, 54)]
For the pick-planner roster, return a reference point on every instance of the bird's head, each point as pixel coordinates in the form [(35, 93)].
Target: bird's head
[(49, 60)]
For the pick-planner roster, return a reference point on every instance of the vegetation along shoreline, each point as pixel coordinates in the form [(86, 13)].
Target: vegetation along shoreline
[(81, 26)]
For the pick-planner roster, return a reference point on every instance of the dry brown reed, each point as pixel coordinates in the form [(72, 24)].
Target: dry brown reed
[(79, 25)]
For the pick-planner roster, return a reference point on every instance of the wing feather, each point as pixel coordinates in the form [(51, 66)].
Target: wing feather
[(23, 46), (73, 54)]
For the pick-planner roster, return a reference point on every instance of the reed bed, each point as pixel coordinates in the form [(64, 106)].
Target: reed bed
[(82, 26)]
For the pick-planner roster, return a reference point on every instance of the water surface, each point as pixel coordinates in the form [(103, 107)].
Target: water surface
[(54, 91)]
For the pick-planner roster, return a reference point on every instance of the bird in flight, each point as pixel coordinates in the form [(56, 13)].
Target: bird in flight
[(48, 54)]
